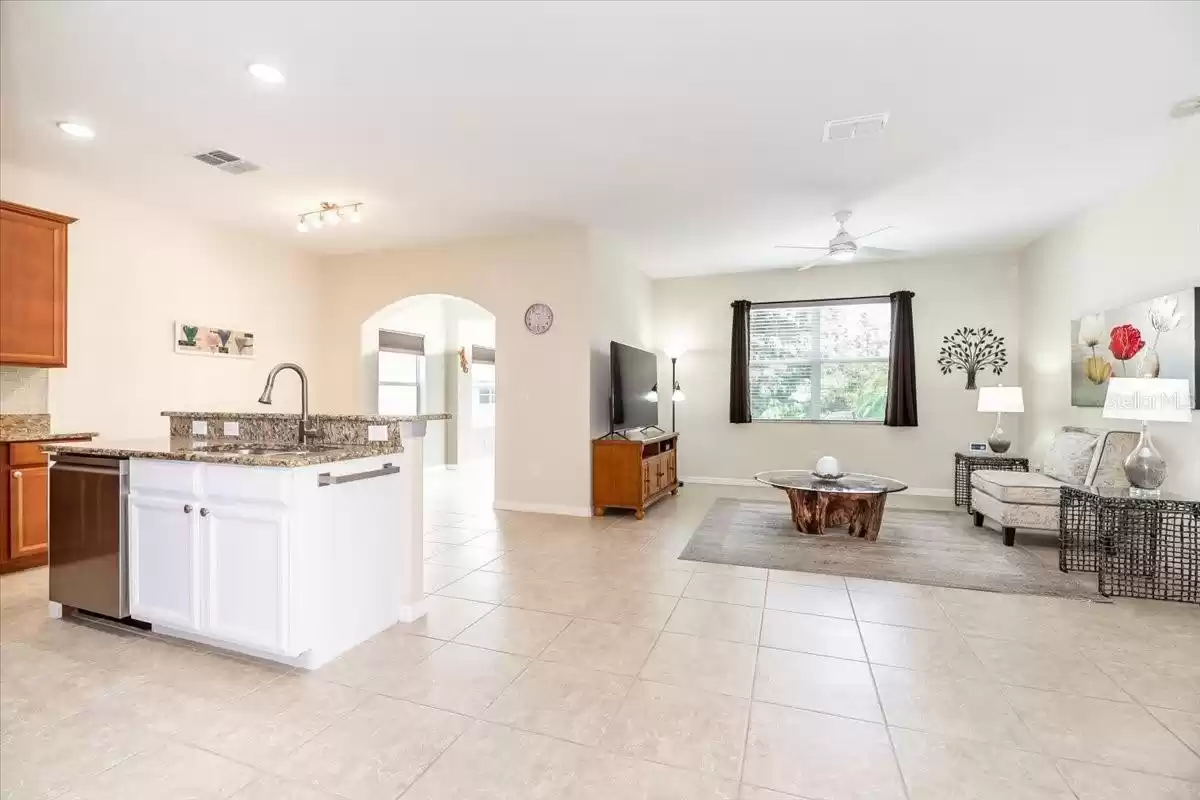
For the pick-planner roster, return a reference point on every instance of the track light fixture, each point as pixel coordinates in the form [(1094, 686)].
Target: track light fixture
[(328, 214)]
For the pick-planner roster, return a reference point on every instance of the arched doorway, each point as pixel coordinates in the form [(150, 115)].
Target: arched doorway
[(434, 353)]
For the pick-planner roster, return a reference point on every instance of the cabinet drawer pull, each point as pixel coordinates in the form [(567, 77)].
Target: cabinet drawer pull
[(20, 510), (325, 479), (204, 512), (187, 508)]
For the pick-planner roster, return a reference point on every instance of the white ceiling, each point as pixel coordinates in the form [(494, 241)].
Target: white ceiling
[(689, 132)]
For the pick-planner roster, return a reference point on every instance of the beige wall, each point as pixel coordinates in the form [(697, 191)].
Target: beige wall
[(1136, 247), (694, 313), (542, 427), (621, 298), (135, 270)]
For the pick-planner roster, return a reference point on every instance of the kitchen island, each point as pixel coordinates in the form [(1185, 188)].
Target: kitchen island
[(254, 543)]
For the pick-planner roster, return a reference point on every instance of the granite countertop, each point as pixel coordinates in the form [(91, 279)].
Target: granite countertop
[(177, 449), (34, 428), (45, 436), (374, 419)]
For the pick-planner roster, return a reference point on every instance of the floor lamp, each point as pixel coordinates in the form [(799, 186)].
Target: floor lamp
[(676, 397)]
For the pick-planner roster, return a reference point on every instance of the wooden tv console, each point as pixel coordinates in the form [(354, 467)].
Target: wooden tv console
[(633, 473)]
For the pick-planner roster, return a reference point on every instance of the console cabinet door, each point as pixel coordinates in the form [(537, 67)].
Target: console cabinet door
[(647, 477), (247, 575), (164, 563), (671, 470)]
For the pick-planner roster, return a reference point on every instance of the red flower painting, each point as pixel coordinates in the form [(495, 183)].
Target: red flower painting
[(1126, 343)]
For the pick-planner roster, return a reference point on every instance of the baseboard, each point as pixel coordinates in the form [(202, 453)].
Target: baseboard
[(722, 481), (542, 508), (750, 482), (412, 613)]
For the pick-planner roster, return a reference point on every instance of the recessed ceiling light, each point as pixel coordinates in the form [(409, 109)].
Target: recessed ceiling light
[(77, 130), (265, 73)]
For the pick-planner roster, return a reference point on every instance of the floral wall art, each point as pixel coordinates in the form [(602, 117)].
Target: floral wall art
[(203, 340), (1155, 338)]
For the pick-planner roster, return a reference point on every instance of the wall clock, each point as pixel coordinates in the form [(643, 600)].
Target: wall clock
[(538, 318)]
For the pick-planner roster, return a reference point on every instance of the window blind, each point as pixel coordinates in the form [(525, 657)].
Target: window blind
[(820, 360), (400, 342), (482, 355)]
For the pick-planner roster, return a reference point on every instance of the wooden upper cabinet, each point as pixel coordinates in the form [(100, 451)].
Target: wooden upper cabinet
[(33, 286)]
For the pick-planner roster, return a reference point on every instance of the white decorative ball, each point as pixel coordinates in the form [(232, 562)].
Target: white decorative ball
[(828, 465)]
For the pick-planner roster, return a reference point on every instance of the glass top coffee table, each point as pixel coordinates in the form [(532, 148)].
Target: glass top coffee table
[(854, 500)]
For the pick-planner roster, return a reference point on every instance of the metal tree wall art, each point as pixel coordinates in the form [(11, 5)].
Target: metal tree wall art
[(970, 350)]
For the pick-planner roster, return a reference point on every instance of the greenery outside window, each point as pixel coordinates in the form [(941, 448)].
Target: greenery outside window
[(820, 360)]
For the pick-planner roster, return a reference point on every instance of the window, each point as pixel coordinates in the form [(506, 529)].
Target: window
[(820, 360), (483, 387), (401, 372)]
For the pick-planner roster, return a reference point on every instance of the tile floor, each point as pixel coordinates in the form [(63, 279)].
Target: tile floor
[(577, 658)]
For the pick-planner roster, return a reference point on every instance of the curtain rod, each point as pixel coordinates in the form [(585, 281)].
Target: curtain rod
[(879, 297)]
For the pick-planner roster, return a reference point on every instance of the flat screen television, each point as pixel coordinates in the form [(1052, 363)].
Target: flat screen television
[(634, 376)]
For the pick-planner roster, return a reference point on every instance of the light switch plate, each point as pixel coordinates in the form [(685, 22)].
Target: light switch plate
[(231, 429), (377, 433), (199, 427)]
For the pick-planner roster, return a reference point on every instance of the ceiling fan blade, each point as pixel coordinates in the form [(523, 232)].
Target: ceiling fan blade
[(880, 252), (812, 264), (801, 247), (872, 233)]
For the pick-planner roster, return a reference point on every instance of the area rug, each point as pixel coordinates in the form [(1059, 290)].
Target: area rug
[(934, 548)]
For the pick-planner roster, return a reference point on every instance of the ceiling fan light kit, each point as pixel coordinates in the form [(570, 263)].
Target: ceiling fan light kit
[(843, 246)]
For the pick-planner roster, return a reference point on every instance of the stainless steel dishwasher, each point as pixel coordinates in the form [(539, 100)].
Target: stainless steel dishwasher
[(88, 534)]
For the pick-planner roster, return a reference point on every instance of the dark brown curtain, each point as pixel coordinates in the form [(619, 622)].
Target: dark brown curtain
[(739, 363), (902, 366)]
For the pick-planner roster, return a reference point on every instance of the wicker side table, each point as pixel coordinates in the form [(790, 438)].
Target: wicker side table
[(1142, 547), (967, 462), (1078, 529)]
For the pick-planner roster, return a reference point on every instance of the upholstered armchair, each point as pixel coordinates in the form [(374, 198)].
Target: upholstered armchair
[(1077, 457)]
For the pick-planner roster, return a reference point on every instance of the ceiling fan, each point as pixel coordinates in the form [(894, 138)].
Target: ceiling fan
[(843, 246)]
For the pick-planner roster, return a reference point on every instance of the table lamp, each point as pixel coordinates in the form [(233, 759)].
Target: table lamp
[(1147, 400), (999, 399)]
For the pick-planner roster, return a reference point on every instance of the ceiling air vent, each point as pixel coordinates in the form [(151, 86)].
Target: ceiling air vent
[(843, 130), (226, 162)]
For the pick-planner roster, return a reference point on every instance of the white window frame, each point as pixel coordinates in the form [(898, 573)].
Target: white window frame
[(483, 357), (815, 361), (414, 350)]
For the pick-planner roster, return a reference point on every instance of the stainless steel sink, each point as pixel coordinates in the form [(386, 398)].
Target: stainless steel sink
[(262, 449)]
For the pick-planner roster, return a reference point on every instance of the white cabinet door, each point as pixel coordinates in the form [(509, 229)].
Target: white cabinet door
[(164, 568), (247, 576)]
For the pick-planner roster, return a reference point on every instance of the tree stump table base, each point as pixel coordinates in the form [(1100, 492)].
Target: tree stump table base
[(861, 514), (854, 501)]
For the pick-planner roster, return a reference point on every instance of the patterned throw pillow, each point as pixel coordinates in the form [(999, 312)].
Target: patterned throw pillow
[(1070, 456)]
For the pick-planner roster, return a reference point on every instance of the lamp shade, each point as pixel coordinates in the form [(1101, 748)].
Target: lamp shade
[(1148, 399), (1001, 398)]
